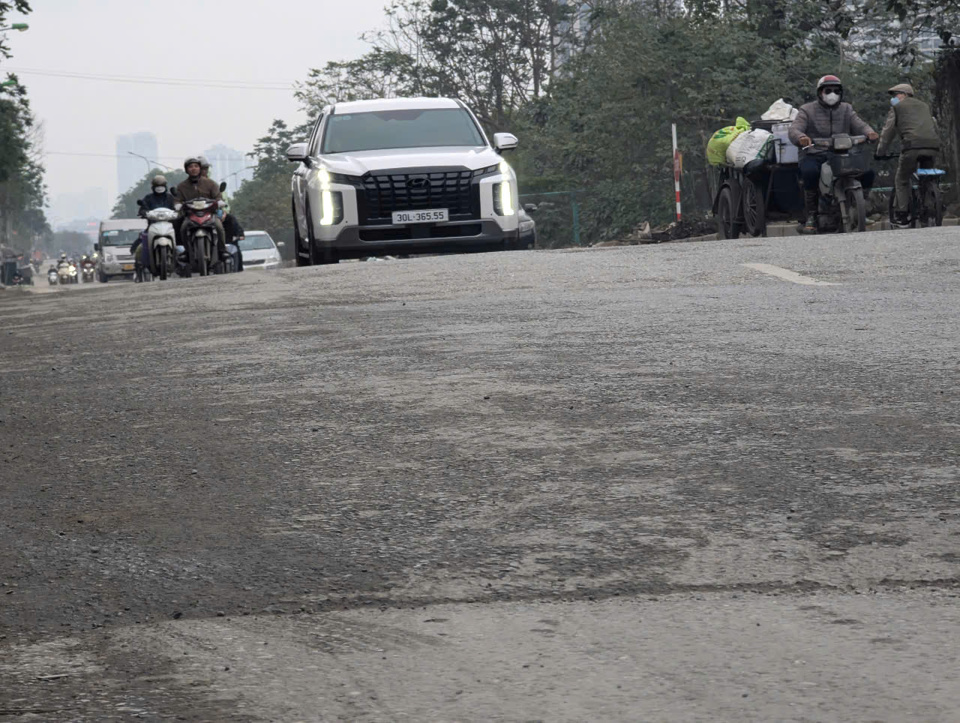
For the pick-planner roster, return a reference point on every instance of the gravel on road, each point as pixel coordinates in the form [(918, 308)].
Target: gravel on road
[(485, 436)]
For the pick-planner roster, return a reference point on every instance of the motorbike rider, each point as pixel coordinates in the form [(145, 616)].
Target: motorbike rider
[(159, 197), (197, 186), (234, 233), (826, 117), (912, 121)]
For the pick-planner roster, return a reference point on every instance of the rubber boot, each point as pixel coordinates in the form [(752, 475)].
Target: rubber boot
[(810, 201)]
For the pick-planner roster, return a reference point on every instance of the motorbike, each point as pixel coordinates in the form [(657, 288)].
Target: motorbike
[(842, 207), (52, 276), (161, 242), (67, 274), (89, 271), (201, 235)]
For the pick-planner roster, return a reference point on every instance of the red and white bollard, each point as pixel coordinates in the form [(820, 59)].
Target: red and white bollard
[(677, 166)]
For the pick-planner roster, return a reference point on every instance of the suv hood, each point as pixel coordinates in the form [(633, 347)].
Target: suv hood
[(361, 162)]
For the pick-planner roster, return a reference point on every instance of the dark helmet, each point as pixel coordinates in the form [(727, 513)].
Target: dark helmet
[(191, 159)]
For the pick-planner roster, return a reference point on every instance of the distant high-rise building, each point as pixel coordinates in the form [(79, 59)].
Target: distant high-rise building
[(131, 168), (230, 165)]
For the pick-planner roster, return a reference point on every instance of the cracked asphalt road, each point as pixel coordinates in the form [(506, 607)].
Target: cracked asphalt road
[(409, 479)]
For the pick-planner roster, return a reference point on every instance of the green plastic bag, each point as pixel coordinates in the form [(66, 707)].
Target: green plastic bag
[(718, 144)]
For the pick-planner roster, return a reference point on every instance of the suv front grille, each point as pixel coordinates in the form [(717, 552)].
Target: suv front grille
[(380, 194)]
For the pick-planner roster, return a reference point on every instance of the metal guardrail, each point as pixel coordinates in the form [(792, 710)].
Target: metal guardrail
[(574, 208)]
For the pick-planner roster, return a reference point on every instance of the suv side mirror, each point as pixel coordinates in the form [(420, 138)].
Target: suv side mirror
[(504, 142), (530, 207), (96, 247), (297, 153), (281, 244)]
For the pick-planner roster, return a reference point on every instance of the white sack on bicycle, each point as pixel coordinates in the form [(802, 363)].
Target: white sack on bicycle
[(749, 146)]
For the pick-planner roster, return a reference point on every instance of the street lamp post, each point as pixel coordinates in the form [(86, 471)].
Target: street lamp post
[(246, 168), (148, 161), (145, 160)]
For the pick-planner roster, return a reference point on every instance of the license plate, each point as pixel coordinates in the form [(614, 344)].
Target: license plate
[(128, 267), (429, 216)]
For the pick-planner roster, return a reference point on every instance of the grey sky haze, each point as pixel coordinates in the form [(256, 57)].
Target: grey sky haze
[(252, 42)]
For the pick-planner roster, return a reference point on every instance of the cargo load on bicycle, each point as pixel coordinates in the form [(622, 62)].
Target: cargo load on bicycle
[(758, 178)]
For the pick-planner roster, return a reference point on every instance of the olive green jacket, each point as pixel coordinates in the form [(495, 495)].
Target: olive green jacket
[(912, 121)]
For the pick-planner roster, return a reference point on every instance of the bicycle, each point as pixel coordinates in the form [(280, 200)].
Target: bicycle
[(926, 202)]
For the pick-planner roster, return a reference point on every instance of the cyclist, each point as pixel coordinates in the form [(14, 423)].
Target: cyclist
[(911, 120)]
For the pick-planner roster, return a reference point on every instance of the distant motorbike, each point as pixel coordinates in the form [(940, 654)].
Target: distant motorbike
[(201, 235), (52, 276), (89, 271), (67, 274), (842, 204)]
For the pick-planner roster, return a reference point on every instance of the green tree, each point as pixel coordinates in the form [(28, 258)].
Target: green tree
[(264, 202), (495, 55), (606, 126), (22, 190)]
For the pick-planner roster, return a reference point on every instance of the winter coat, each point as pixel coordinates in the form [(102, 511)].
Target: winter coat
[(818, 120), (911, 118), (232, 228), (153, 201), (194, 188)]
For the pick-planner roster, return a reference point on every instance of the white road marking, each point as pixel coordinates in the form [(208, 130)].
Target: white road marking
[(788, 275)]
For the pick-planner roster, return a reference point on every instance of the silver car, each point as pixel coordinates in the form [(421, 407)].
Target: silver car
[(259, 251)]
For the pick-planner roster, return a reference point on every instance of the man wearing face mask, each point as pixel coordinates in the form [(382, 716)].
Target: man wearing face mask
[(919, 142), (159, 197), (825, 117)]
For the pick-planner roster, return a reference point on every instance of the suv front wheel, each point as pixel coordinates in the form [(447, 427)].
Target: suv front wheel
[(319, 255), (297, 239)]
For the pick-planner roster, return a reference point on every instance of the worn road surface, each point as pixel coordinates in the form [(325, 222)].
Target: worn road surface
[(708, 481)]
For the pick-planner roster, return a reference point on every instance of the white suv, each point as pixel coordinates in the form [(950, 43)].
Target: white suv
[(412, 175)]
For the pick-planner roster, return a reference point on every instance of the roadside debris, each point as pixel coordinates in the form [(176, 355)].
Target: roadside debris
[(644, 234)]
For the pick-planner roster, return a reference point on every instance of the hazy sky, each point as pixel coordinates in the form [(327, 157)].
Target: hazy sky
[(252, 42)]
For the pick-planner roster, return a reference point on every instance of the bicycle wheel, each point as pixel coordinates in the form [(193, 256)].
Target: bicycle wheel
[(931, 205), (727, 226), (856, 215), (754, 209)]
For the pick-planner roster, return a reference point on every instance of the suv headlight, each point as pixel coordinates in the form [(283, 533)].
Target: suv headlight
[(503, 202), (331, 202)]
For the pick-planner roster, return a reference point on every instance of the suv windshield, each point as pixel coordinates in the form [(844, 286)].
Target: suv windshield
[(408, 128), (118, 237)]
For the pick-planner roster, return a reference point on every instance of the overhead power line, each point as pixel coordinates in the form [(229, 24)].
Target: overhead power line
[(176, 82), (118, 155)]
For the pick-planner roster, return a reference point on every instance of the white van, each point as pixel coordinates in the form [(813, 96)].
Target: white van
[(113, 245)]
